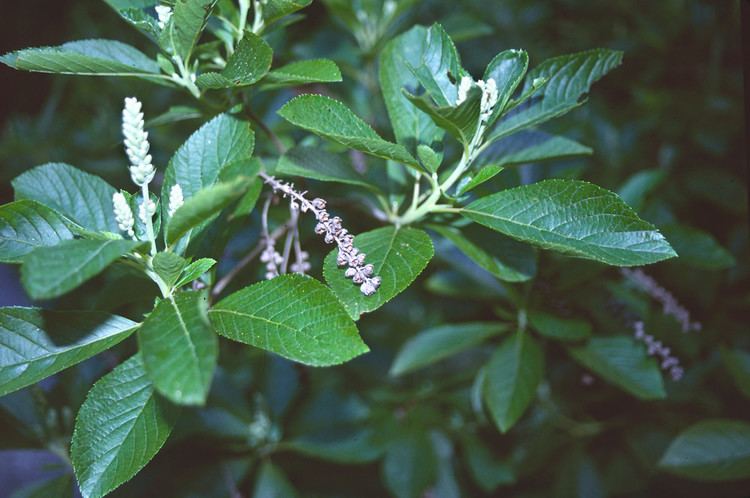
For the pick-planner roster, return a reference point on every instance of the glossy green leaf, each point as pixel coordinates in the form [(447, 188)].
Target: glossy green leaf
[(217, 146), (185, 26), (49, 272), (203, 206), (398, 255), (133, 12), (274, 10), (304, 72), (410, 466), (179, 349), (119, 428), (461, 121), (319, 164), (35, 343), (168, 266), (573, 217), (513, 374), (505, 258), (737, 362), (623, 362), (249, 63), (272, 483), (410, 125), (697, 248), (26, 225), (333, 120), (194, 270), (561, 329), (438, 67), (507, 69), (85, 57), (435, 344), (568, 79), (528, 146), (80, 196), (293, 316), (711, 450)]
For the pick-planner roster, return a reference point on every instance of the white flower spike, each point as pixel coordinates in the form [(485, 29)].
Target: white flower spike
[(123, 213), (489, 97), (176, 200), (164, 13), (463, 89), (136, 143)]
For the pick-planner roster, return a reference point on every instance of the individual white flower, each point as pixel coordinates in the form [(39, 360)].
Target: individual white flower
[(176, 200), (123, 213), (463, 89), (164, 13), (136, 142), (146, 210), (489, 97)]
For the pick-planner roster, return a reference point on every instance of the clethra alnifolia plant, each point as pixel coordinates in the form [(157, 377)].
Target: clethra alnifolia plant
[(233, 237)]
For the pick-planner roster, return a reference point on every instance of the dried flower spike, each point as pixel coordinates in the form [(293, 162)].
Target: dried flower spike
[(333, 232), (667, 362)]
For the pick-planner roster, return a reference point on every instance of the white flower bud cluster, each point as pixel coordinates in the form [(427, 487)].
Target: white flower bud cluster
[(146, 210), (332, 230), (123, 213), (271, 257), (489, 95), (670, 305), (176, 199), (668, 362), (136, 143), (301, 264), (164, 13)]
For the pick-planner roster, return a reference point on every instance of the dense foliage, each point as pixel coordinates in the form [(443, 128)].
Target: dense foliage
[(514, 304)]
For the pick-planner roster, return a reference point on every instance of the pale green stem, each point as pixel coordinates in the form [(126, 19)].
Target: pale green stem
[(149, 223)]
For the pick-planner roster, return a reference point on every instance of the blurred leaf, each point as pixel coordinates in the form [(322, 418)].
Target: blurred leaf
[(80, 196), (37, 344), (59, 487), (119, 428), (636, 188), (437, 343), (711, 450), (174, 114), (276, 9), (26, 225), (270, 482), (319, 164), (361, 446), (49, 272), (737, 362), (304, 72), (410, 465), (513, 374), (293, 316), (697, 248), (561, 329), (487, 470), (398, 255), (333, 120), (572, 217), (179, 349), (462, 26), (623, 362), (250, 61)]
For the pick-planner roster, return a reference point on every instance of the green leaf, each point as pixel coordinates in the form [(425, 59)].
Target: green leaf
[(319, 164), (697, 248), (331, 119), (216, 148), (272, 483), (711, 450), (572, 217), (168, 266), (303, 73), (26, 225), (185, 26), (194, 270), (35, 343), (737, 362), (461, 121), (561, 329), (507, 69), (203, 206), (524, 147), (80, 196), (274, 10), (293, 316), (361, 446), (174, 114), (119, 428), (410, 465), (60, 487), (250, 61), (435, 344), (513, 374), (85, 57), (505, 258), (438, 67), (623, 362), (410, 125), (487, 470), (49, 272), (430, 159), (568, 79), (636, 188), (179, 349), (398, 255)]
